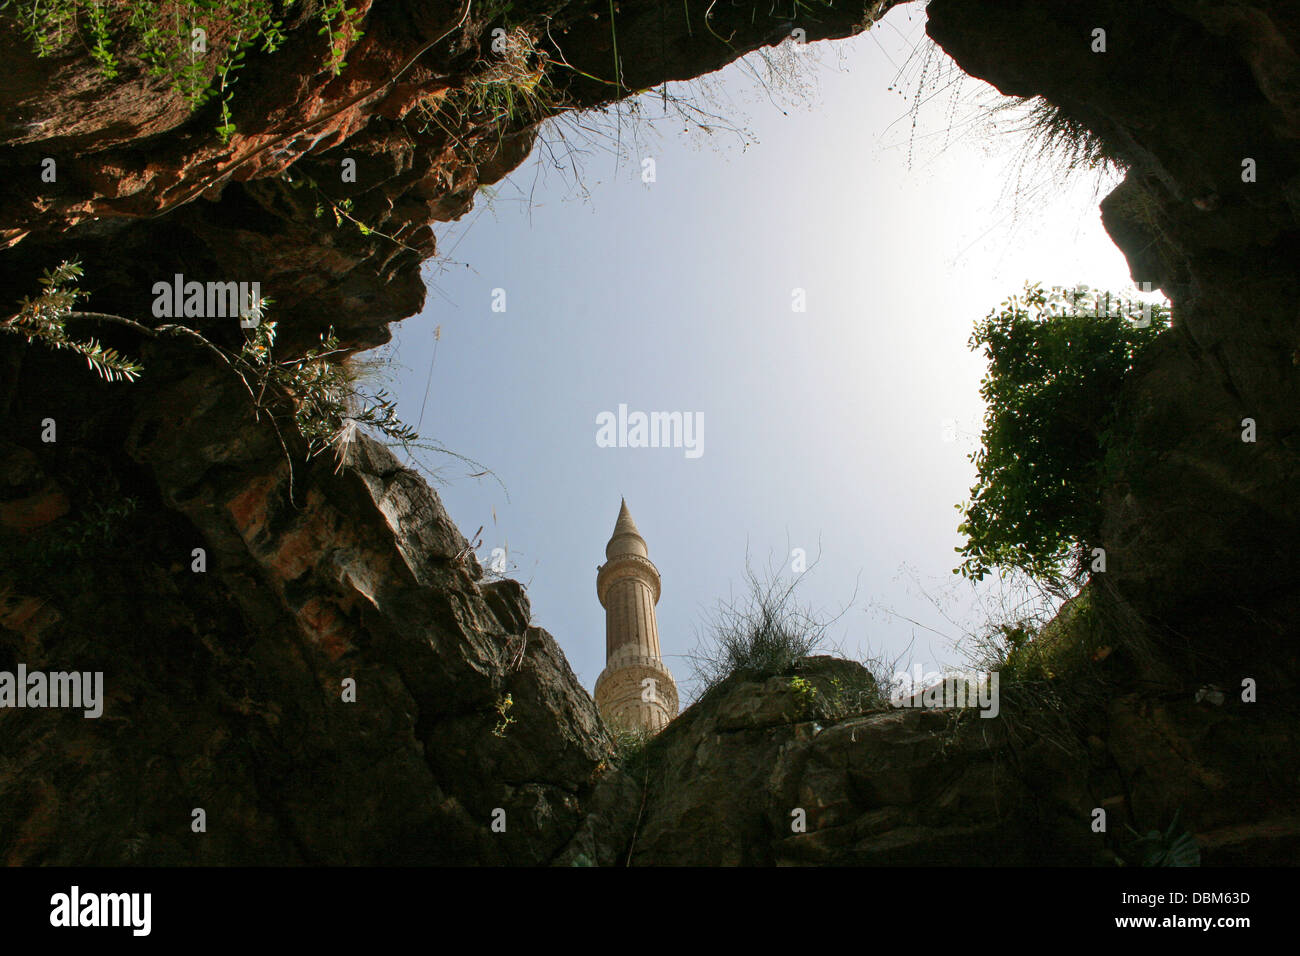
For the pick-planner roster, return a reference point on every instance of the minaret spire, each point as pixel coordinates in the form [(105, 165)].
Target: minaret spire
[(635, 691), (626, 539)]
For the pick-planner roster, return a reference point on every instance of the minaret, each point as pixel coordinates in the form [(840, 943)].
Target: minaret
[(635, 691)]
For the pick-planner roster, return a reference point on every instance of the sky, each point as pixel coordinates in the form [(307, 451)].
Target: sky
[(842, 429)]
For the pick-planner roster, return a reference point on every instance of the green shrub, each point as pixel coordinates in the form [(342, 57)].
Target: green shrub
[(1054, 377), (44, 320)]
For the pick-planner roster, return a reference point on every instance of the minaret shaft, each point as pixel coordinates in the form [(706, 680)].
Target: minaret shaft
[(630, 623)]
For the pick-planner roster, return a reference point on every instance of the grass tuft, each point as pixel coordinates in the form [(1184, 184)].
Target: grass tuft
[(762, 634), (1051, 131)]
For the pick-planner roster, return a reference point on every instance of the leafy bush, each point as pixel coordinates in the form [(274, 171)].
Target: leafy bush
[(44, 320), (805, 692), (1056, 363), (102, 524), (829, 690), (320, 389), (93, 532), (328, 406)]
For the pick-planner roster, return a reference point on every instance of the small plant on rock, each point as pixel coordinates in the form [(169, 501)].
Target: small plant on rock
[(44, 320), (504, 720), (1174, 847), (328, 407), (805, 692)]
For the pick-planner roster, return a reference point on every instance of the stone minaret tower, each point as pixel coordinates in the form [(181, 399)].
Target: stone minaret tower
[(635, 691)]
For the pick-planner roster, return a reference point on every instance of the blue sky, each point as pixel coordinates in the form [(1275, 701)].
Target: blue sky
[(842, 429)]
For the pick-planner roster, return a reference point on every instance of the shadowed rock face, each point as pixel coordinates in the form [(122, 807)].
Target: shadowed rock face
[(1200, 527), (753, 775), (224, 688)]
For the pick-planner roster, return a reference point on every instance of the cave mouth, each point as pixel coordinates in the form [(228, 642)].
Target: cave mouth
[(968, 191)]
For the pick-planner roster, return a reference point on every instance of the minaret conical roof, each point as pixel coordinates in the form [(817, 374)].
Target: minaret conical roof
[(626, 539)]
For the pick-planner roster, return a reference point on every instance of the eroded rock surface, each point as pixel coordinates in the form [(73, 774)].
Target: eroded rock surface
[(225, 689), (747, 776), (1201, 527)]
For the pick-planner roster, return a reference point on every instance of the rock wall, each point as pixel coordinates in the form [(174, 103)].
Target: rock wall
[(1200, 526), (753, 775), (225, 688), (765, 772)]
